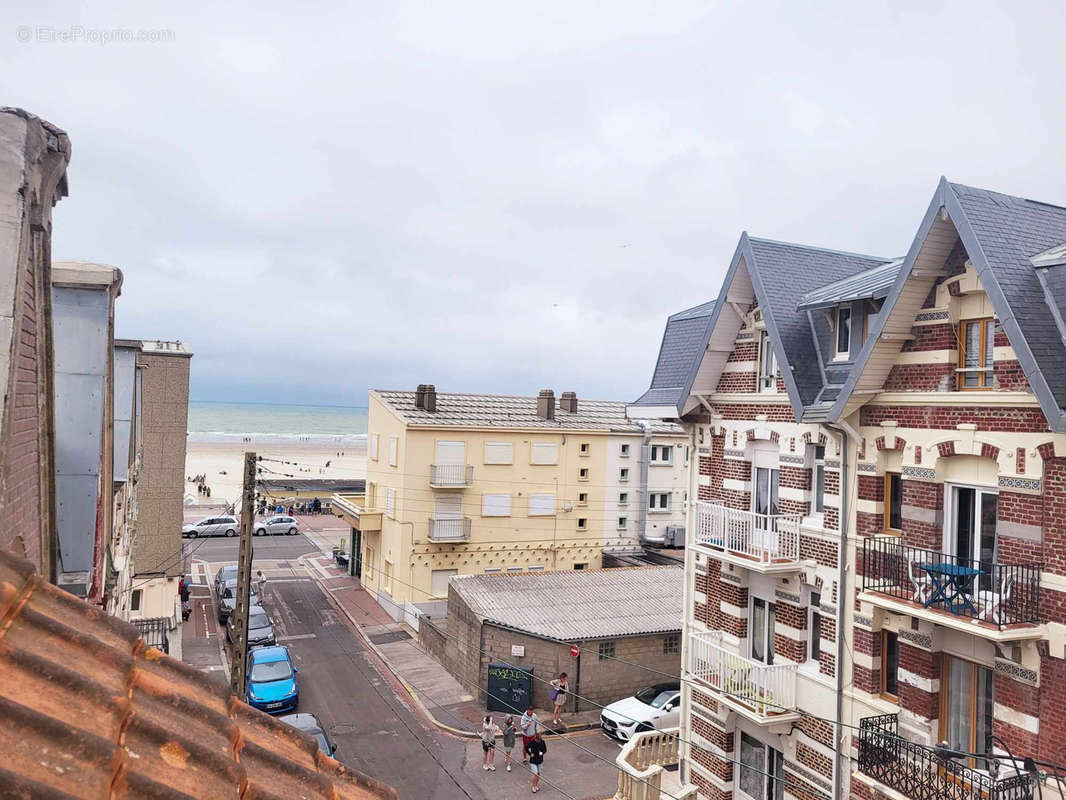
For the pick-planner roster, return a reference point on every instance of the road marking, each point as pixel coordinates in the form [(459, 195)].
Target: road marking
[(295, 636)]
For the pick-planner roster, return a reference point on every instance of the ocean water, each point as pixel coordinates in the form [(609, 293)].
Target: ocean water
[(269, 422)]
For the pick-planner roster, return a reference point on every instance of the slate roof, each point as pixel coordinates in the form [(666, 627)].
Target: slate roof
[(87, 710), (683, 343), (572, 606), (781, 273), (1009, 232), (869, 284), (504, 411)]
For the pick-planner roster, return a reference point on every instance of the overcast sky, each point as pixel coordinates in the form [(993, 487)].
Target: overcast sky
[(504, 196)]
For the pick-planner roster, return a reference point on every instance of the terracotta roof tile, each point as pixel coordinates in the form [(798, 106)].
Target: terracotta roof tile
[(87, 710)]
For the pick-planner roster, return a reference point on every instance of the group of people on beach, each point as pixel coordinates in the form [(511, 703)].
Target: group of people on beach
[(310, 508), (529, 727), (201, 485)]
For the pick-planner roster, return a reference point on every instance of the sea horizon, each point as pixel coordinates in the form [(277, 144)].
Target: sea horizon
[(221, 421)]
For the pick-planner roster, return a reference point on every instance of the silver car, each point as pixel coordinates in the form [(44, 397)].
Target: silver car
[(211, 526), (277, 524)]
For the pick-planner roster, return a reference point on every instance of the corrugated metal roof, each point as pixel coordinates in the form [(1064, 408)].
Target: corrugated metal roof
[(572, 606), (869, 284), (88, 710), (504, 411)]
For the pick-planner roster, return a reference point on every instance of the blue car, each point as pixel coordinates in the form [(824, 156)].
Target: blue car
[(272, 680)]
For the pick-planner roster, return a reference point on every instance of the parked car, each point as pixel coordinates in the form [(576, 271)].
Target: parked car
[(275, 525), (225, 574), (657, 706), (227, 600), (211, 526), (260, 628), (308, 723), (272, 680)]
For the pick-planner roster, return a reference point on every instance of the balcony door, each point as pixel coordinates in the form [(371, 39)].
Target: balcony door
[(971, 529), (966, 711), (448, 506), (764, 536), (762, 770), (761, 622)]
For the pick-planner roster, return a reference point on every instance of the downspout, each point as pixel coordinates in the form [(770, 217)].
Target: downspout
[(687, 601), (842, 759), (645, 454)]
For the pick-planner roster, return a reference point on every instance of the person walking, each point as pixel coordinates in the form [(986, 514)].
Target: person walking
[(529, 726), (260, 584), (489, 729), (509, 732), (537, 748), (559, 690)]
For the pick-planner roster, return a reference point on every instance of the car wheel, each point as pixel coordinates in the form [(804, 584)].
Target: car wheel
[(260, 532), (230, 533), (642, 727), (292, 531)]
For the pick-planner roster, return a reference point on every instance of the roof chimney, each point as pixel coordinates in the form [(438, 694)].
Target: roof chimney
[(429, 400), (420, 396), (568, 402), (546, 404)]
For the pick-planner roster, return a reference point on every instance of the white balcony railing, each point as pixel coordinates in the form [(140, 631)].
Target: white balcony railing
[(640, 767), (450, 529), (762, 538), (768, 690), (451, 476)]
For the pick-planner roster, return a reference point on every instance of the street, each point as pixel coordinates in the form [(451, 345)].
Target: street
[(357, 699)]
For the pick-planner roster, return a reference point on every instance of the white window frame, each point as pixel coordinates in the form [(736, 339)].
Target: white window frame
[(390, 503), (495, 504), (539, 504), (584, 449), (660, 449), (623, 523), (818, 481), (583, 474), (653, 508), (814, 610), (538, 453), (375, 441), (394, 447), (583, 498), (499, 458), (623, 450), (623, 498), (767, 380), (838, 354), (623, 474), (582, 523)]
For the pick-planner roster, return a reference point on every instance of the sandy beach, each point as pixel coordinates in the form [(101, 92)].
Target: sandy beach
[(222, 462)]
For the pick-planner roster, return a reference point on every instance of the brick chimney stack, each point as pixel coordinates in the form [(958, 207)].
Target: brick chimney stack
[(568, 402), (546, 404), (429, 401)]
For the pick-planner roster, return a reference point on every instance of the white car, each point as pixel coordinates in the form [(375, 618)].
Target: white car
[(652, 707), (211, 526), (277, 524)]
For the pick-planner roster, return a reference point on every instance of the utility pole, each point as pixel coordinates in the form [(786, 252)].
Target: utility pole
[(244, 579)]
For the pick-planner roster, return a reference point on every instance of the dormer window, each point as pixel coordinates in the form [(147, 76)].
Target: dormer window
[(843, 333), (767, 365)]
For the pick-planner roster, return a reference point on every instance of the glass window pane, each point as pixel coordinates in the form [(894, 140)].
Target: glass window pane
[(843, 330), (983, 723), (959, 727), (819, 488), (990, 341), (777, 769), (989, 504), (771, 621), (890, 663), (971, 335), (816, 627), (758, 629), (895, 501), (752, 758)]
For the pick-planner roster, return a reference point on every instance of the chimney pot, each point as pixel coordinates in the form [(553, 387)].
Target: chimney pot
[(430, 399), (568, 402), (546, 404)]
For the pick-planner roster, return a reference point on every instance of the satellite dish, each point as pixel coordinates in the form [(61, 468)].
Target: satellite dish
[(568, 506)]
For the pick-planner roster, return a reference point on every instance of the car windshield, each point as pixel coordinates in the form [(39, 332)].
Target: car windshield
[(654, 696), (270, 671), (323, 745), (257, 621)]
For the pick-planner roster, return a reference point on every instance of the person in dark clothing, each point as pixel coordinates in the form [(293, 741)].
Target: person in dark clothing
[(537, 748)]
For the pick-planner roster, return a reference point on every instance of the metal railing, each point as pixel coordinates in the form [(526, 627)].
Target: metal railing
[(922, 773), (154, 631), (641, 762), (767, 689), (454, 529), (763, 538), (1000, 594), (451, 475)]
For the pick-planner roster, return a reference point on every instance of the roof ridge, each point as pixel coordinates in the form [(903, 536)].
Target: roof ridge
[(497, 396), (1018, 197), (851, 253)]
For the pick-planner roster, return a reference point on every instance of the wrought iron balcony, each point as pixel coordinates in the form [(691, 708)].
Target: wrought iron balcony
[(997, 595), (762, 541), (453, 529), (451, 476), (922, 773), (763, 692)]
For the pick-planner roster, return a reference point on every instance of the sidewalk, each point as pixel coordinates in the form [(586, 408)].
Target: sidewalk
[(444, 700)]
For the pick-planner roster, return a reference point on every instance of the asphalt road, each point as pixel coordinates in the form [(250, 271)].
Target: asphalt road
[(222, 549), (355, 699)]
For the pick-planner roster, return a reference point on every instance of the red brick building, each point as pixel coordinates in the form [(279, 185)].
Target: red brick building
[(912, 409)]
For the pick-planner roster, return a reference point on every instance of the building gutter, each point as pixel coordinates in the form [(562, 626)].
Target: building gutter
[(841, 762)]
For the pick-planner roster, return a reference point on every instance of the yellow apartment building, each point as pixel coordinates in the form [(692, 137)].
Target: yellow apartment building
[(473, 484)]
